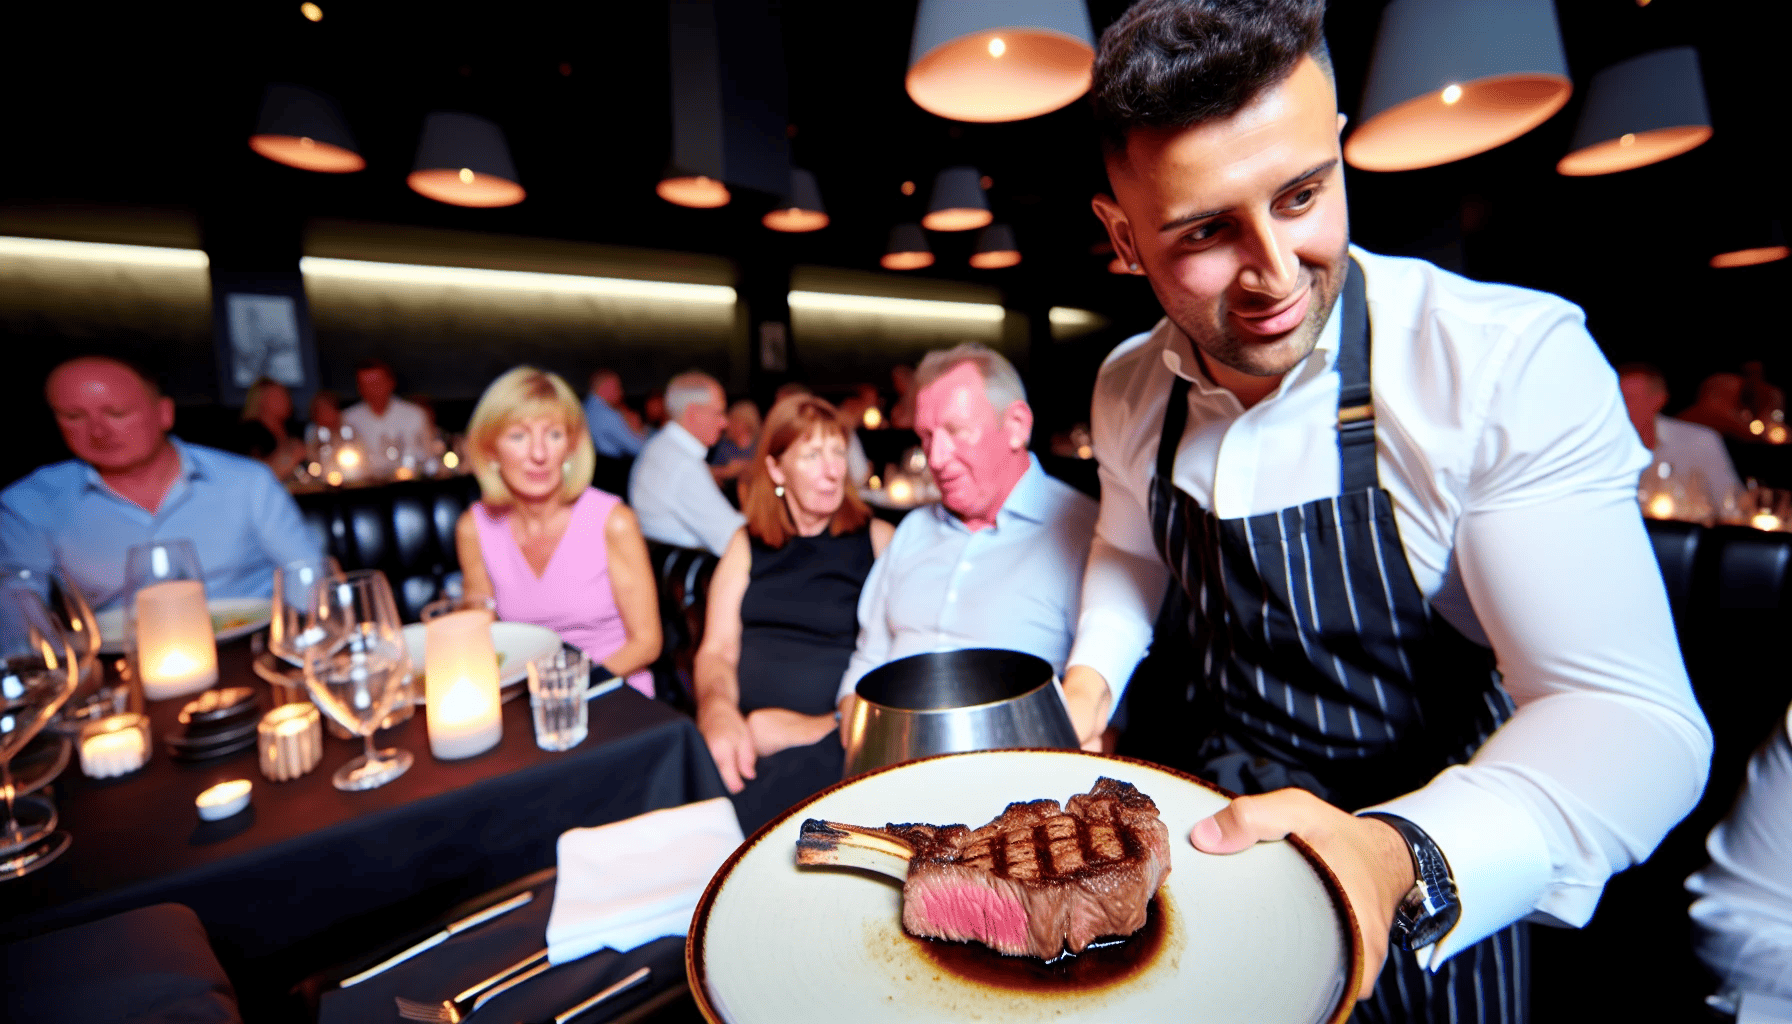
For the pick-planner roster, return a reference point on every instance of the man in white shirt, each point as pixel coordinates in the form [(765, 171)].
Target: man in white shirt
[(385, 426), (999, 562), (1692, 452), (670, 485), (1349, 545)]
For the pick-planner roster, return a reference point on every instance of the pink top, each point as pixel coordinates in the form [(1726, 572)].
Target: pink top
[(572, 596)]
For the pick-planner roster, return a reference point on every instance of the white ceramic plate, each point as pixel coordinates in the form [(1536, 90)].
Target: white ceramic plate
[(517, 644), (1260, 937), (232, 617)]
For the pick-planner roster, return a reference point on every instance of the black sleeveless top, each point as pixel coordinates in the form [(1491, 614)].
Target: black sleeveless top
[(800, 620)]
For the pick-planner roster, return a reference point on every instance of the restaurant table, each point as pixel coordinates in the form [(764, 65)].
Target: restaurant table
[(306, 863)]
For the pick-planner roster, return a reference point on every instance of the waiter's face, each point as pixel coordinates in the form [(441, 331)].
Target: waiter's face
[(1240, 223)]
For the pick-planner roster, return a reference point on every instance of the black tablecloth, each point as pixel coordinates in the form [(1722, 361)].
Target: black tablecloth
[(305, 859)]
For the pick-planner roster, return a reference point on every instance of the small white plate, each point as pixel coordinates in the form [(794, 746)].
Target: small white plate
[(517, 644), (232, 617), (1260, 937)]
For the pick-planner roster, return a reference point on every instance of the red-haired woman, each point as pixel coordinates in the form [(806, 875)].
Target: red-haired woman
[(783, 614)]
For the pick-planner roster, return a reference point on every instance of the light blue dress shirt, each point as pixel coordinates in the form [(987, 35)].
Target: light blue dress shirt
[(674, 496), (240, 520), (1016, 585), (610, 434)]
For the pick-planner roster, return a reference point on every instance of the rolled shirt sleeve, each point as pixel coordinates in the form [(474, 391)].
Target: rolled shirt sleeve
[(1607, 749), (1122, 588)]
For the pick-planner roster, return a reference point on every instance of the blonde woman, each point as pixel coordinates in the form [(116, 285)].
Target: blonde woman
[(268, 405), (549, 547)]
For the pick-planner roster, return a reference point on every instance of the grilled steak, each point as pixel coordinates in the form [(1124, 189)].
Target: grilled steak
[(1039, 880)]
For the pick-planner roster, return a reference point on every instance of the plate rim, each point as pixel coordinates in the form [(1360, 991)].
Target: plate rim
[(698, 981)]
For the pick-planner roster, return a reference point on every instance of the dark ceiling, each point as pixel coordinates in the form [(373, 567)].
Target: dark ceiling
[(151, 104)]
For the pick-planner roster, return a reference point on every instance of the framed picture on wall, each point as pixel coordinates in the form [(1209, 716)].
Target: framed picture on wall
[(262, 326)]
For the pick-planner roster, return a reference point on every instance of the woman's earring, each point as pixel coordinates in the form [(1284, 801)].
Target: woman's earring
[(1134, 266), (778, 490)]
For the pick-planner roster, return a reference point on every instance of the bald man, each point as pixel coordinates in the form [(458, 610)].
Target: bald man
[(131, 482)]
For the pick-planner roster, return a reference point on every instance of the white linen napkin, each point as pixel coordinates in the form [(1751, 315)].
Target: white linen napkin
[(636, 880)]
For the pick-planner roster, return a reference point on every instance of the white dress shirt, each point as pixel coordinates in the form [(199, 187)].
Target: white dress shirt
[(401, 426), (1691, 448), (1743, 917), (939, 586), (1512, 466), (676, 498)]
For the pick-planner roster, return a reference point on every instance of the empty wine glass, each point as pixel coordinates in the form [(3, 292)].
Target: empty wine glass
[(40, 673), (293, 583), (357, 667)]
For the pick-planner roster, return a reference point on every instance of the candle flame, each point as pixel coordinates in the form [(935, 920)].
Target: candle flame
[(1661, 506), (465, 701), (1765, 521), (176, 663)]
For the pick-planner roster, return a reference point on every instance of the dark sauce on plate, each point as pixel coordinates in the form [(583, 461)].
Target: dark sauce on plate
[(1106, 962)]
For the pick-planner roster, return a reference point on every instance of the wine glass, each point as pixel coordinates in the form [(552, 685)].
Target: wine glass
[(293, 583), (357, 667), (69, 607), (41, 671)]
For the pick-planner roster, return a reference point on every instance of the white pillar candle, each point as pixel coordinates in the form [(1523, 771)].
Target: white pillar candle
[(460, 685), (176, 652), (106, 754)]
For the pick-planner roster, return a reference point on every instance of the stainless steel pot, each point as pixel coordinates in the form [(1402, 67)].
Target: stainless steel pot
[(954, 701)]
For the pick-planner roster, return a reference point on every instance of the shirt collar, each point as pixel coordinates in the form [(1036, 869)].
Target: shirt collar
[(1178, 353), (189, 467), (1031, 498), (684, 438)]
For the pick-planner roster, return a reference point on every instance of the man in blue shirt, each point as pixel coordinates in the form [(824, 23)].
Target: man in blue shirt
[(131, 483), (610, 433)]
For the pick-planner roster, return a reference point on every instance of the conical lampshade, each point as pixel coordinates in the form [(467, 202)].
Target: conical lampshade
[(995, 248), (999, 60), (1648, 108), (907, 249), (801, 209), (958, 202), (1452, 78), (1756, 247), (698, 191), (302, 128), (462, 160)]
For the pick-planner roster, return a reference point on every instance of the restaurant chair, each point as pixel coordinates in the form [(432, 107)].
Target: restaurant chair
[(1676, 550), (1751, 569), (682, 577), (152, 965)]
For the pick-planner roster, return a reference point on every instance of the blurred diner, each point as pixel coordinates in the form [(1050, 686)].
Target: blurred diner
[(1693, 453), (670, 485), (131, 481), (611, 432), (267, 409), (386, 426), (999, 561), (782, 619), (546, 545), (733, 451), (326, 420), (1719, 407)]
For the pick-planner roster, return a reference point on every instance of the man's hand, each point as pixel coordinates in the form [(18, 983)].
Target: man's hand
[(775, 729), (1368, 856), (730, 744), (1086, 696)]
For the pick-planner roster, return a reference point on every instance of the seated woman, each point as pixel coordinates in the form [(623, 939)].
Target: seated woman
[(549, 547), (783, 615), (267, 406)]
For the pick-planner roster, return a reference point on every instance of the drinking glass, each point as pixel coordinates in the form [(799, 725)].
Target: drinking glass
[(41, 671), (71, 611), (557, 685), (293, 582), (357, 668)]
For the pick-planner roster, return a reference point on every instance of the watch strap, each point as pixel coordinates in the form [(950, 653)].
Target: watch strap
[(1431, 908)]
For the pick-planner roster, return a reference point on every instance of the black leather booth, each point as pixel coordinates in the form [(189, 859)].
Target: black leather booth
[(682, 576), (404, 529)]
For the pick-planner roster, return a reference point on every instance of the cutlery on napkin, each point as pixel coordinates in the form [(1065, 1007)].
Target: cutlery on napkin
[(636, 880), (472, 920)]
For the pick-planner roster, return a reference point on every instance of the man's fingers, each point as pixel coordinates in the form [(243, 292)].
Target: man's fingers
[(1251, 819), (725, 766), (748, 761)]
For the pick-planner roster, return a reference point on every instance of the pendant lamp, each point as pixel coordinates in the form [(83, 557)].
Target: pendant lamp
[(697, 191), (999, 60), (730, 102), (1452, 78), (1638, 111), (801, 208), (462, 160), (958, 202), (1765, 246), (302, 128), (995, 248), (907, 249)]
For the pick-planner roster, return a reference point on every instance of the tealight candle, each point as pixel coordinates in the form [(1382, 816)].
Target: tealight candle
[(176, 653), (1661, 506), (1765, 521), (224, 799), (117, 745), (290, 741), (460, 685), (901, 490)]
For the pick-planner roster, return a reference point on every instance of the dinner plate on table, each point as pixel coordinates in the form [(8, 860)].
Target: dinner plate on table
[(1259, 937), (232, 617), (515, 643)]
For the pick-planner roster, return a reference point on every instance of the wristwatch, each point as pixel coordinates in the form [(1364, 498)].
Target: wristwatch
[(1430, 908)]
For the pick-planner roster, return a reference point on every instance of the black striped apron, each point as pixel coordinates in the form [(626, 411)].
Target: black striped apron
[(1317, 662)]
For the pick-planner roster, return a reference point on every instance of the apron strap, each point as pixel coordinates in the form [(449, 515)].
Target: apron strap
[(1175, 419), (1356, 403)]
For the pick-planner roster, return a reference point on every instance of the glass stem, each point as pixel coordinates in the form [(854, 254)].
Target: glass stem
[(372, 758), (12, 821)]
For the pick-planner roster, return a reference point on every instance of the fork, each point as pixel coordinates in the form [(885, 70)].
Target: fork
[(457, 1009)]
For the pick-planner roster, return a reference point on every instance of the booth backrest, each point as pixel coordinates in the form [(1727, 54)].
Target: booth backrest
[(406, 530), (682, 576)]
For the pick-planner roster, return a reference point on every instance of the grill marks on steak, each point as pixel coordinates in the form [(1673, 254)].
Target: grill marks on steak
[(1039, 880)]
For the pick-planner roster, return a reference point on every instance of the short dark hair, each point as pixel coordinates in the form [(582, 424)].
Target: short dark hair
[(1177, 63), (375, 363)]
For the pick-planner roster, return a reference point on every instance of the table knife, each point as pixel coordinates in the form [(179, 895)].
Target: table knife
[(602, 688), (624, 985), (473, 920)]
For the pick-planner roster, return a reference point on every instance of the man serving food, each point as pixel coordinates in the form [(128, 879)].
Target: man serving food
[(1398, 508)]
